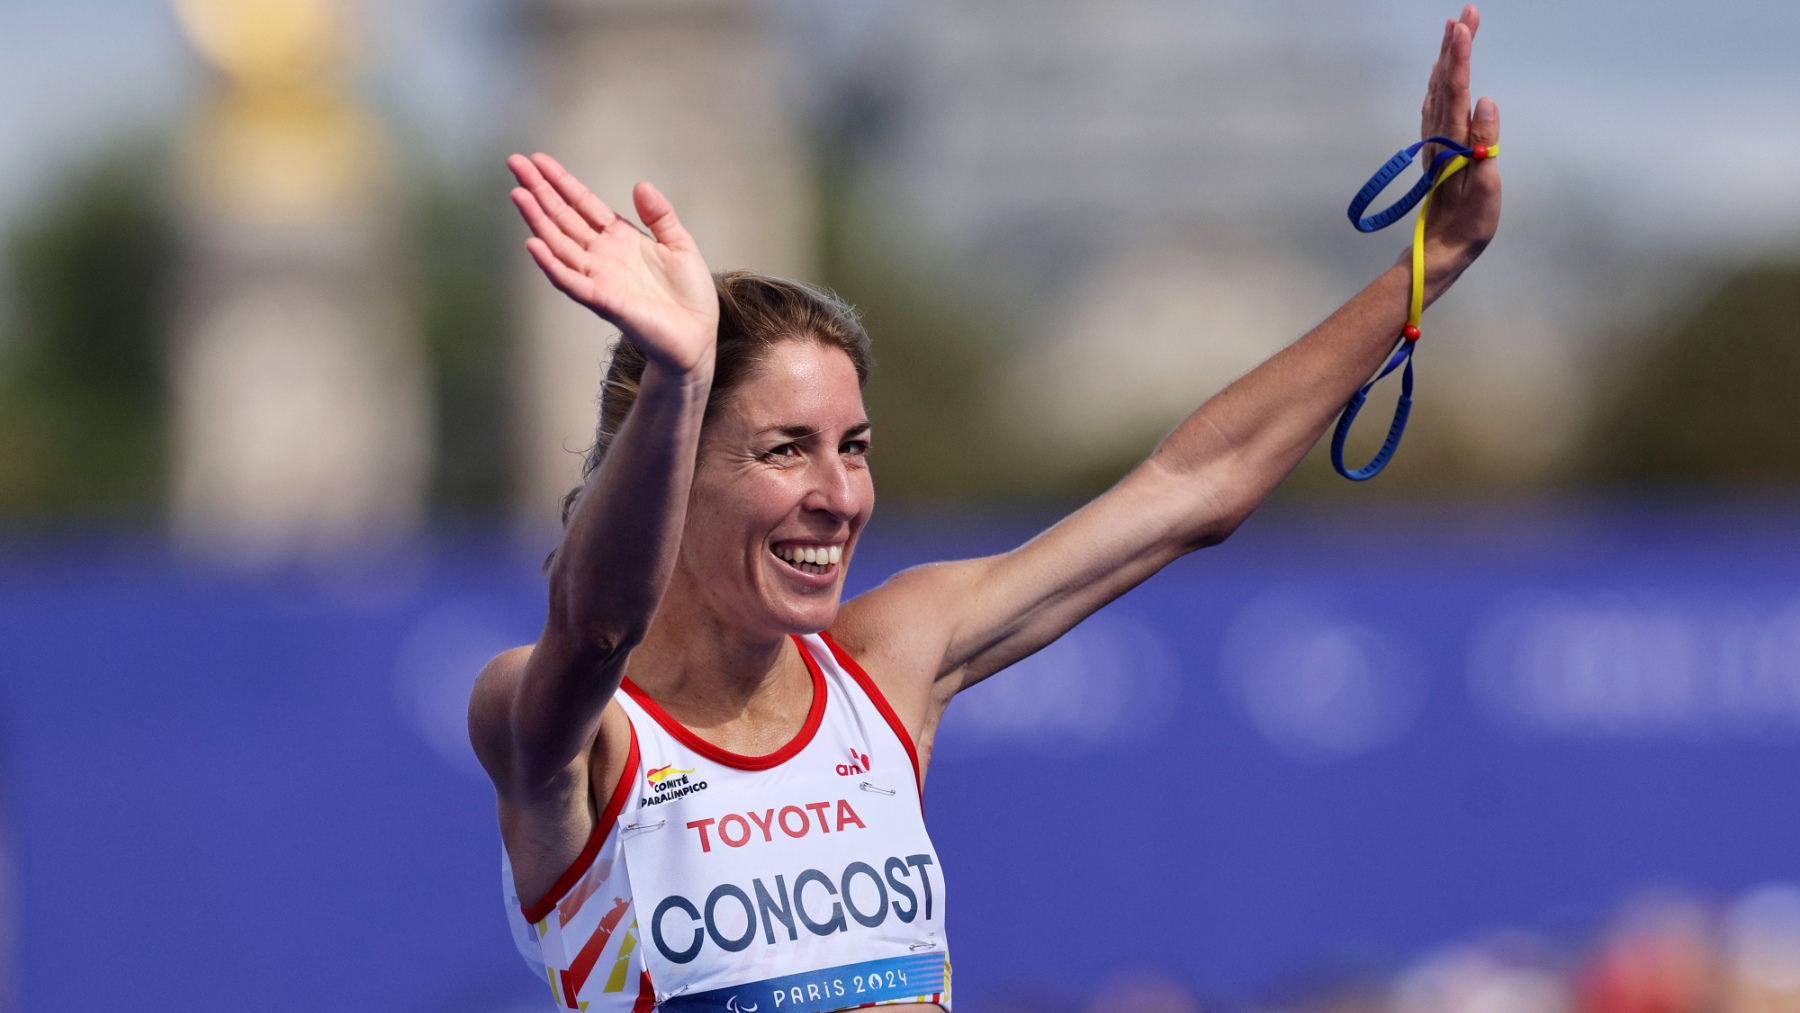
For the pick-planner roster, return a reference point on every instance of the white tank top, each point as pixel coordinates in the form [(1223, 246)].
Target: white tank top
[(799, 881)]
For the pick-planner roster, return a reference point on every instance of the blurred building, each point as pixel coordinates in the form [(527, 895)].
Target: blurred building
[(690, 95), (302, 417), (1143, 174), (1162, 186)]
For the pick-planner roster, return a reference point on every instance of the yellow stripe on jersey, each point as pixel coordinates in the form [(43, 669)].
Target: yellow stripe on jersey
[(622, 966)]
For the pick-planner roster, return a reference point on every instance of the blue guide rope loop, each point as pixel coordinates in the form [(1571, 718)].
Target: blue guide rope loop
[(1402, 355), (1385, 175), (1452, 159)]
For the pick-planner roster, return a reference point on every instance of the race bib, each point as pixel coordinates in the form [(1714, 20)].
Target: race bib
[(802, 897)]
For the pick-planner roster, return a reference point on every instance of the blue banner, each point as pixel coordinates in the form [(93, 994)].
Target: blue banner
[(1326, 743)]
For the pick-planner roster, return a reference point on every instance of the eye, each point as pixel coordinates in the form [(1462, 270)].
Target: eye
[(785, 450), (855, 448)]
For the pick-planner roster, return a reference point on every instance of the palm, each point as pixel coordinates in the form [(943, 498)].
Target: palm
[(1465, 211), (655, 288)]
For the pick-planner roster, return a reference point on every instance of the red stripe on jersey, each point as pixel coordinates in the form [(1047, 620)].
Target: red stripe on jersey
[(570, 906), (583, 965), (646, 1000), (541, 910), (814, 717), (848, 664)]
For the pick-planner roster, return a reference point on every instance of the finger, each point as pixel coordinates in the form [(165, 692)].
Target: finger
[(1471, 16), (1431, 113), (1484, 128), (659, 215), (525, 172), (1454, 110), (531, 177), (592, 209), (1443, 58), (571, 283), (566, 249)]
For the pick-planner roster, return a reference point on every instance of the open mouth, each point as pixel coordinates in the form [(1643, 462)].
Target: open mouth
[(814, 559)]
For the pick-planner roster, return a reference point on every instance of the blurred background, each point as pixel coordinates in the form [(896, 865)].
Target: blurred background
[(286, 414)]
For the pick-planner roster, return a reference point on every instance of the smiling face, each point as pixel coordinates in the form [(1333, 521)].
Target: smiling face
[(781, 491)]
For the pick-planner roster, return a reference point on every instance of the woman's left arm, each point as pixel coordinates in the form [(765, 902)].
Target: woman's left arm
[(947, 626)]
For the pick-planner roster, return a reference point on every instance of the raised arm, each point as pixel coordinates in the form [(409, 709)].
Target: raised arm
[(941, 628), (535, 714)]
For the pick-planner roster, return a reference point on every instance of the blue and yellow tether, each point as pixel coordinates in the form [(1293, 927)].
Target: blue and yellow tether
[(1448, 162)]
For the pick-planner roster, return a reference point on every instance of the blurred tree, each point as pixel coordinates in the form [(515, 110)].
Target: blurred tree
[(1715, 399), (83, 391), (939, 345), (91, 283), (462, 263), (928, 396)]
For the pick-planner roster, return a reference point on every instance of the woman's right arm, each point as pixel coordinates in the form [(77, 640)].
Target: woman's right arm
[(535, 715)]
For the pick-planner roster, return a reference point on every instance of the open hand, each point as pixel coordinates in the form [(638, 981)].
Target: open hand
[(1465, 211), (655, 288)]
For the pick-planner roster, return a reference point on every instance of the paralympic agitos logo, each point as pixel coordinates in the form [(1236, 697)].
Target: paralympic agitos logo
[(668, 784)]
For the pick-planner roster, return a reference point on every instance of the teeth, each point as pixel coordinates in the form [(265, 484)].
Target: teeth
[(822, 556)]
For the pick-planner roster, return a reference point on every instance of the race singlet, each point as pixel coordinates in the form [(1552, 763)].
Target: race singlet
[(806, 896)]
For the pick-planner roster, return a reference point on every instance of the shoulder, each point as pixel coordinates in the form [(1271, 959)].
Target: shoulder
[(899, 619), (490, 710), (491, 730), (899, 632), (913, 614)]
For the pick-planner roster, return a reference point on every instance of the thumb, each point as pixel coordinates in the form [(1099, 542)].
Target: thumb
[(1484, 126), (658, 215)]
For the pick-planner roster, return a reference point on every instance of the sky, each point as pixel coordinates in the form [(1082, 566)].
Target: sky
[(1678, 116), (76, 75), (1673, 121)]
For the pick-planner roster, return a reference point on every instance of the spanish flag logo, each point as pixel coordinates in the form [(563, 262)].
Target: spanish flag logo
[(661, 774)]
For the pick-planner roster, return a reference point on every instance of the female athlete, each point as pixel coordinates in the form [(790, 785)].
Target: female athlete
[(708, 766)]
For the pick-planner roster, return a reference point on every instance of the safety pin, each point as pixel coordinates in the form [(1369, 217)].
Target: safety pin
[(631, 828), (874, 787), (670, 995), (923, 946)]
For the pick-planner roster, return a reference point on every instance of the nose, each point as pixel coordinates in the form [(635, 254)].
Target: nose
[(835, 489)]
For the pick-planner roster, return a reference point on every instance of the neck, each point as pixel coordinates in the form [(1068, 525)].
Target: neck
[(707, 672)]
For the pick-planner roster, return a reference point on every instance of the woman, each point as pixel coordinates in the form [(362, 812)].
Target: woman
[(708, 766)]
